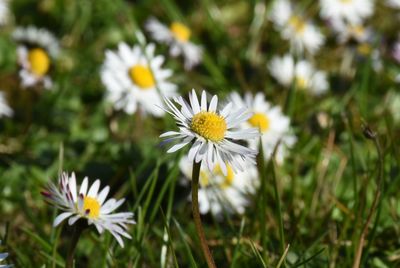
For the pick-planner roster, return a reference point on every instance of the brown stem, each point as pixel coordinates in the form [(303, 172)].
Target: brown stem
[(69, 263), (196, 215)]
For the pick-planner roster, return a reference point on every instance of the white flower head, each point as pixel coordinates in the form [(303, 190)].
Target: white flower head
[(5, 109), (135, 79), (273, 124), (301, 33), (90, 205), (213, 133), (221, 193), (393, 3), (349, 11), (286, 71), (36, 50), (177, 37), (4, 12)]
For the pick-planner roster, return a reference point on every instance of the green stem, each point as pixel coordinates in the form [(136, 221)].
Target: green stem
[(72, 246), (196, 215)]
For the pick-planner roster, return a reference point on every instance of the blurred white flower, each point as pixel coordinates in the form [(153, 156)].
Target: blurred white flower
[(273, 124), (346, 32), (90, 205), (396, 51), (393, 3), (348, 11), (213, 133), (177, 37), (3, 256), (4, 12), (5, 109), (301, 33), (286, 71), (36, 50), (134, 79), (221, 193)]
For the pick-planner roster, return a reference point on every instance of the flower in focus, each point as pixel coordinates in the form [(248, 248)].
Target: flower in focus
[(286, 71), (177, 37), (273, 124), (348, 11), (4, 12), (135, 79), (213, 133), (90, 205), (37, 50), (302, 34), (221, 193), (5, 109)]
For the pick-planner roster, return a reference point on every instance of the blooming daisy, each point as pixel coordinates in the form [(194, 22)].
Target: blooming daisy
[(356, 32), (286, 71), (36, 50), (301, 33), (135, 79), (4, 12), (89, 205), (177, 36), (222, 193), (273, 124), (351, 11), (213, 133), (5, 109)]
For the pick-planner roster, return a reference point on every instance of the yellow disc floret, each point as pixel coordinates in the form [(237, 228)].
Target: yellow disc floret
[(91, 207), (259, 120), (142, 76), (297, 23), (39, 61), (180, 31), (209, 125), (301, 82), (228, 178)]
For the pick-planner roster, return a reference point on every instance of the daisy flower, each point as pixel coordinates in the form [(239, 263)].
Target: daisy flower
[(301, 33), (5, 109), (4, 12), (135, 79), (351, 11), (36, 51), (177, 37), (273, 124), (213, 133), (221, 193), (356, 32), (90, 205), (286, 71)]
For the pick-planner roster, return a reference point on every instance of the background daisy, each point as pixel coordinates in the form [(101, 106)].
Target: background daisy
[(4, 12), (349, 11), (135, 79), (5, 109)]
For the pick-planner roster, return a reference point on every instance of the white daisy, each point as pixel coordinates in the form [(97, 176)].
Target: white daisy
[(177, 36), (36, 51), (5, 109), (393, 3), (213, 134), (286, 71), (273, 124), (4, 12), (302, 34), (221, 193), (351, 11), (135, 79), (89, 205), (346, 32)]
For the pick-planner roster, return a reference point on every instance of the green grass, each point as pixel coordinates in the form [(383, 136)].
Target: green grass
[(308, 212)]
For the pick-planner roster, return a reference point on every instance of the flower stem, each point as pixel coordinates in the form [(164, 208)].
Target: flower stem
[(72, 246), (196, 215)]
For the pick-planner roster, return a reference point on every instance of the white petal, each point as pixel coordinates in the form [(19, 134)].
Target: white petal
[(61, 217)]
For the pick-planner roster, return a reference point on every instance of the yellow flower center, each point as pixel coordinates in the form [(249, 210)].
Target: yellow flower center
[(345, 1), (91, 207), (39, 61), (142, 76), (180, 31), (209, 125), (297, 23), (204, 181), (301, 82), (357, 30), (260, 120), (364, 49), (228, 179)]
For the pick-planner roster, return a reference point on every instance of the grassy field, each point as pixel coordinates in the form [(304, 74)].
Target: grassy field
[(333, 194)]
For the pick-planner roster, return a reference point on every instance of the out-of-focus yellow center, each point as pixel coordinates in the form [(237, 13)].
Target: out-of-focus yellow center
[(39, 61), (209, 125), (297, 23), (357, 29), (180, 31), (301, 82), (91, 207), (345, 1), (260, 120), (364, 49), (204, 181), (228, 179), (142, 76)]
